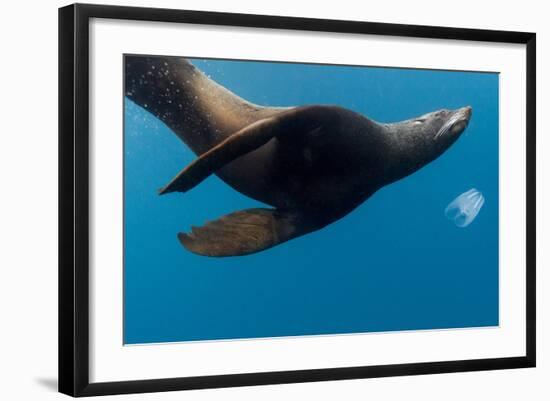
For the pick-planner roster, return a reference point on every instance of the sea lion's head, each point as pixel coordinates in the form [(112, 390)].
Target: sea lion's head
[(418, 141)]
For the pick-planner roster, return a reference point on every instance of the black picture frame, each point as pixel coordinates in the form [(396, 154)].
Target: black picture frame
[(74, 198)]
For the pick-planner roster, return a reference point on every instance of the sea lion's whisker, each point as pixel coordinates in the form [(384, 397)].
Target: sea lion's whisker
[(447, 126)]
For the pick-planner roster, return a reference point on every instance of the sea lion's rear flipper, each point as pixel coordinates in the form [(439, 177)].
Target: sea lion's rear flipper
[(297, 120), (245, 232)]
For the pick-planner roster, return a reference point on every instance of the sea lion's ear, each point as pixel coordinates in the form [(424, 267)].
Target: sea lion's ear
[(299, 120), (245, 232)]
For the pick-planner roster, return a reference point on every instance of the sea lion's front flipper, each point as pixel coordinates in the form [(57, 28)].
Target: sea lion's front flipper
[(297, 120), (245, 232)]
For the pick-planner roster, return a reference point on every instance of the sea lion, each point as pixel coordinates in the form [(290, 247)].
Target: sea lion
[(313, 163)]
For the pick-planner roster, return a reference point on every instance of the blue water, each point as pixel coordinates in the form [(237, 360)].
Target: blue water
[(394, 263)]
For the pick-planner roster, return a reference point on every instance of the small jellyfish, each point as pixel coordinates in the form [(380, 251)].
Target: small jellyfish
[(464, 209)]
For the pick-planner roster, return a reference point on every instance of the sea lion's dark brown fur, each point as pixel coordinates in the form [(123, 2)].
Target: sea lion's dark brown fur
[(313, 163)]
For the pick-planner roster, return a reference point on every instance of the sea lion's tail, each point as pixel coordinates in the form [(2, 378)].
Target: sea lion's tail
[(198, 110)]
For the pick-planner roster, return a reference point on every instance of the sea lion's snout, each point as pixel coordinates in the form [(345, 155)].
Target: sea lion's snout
[(463, 116), (456, 123)]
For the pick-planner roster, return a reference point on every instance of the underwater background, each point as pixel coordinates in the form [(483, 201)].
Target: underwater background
[(394, 263)]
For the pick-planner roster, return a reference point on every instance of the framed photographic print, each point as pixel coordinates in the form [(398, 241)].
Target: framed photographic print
[(250, 199)]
